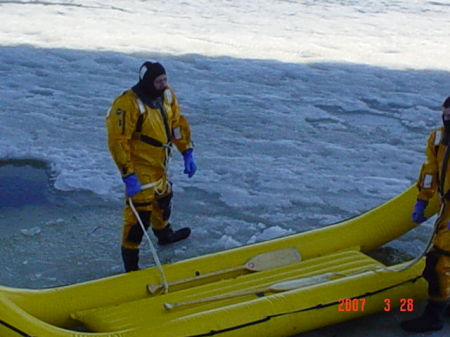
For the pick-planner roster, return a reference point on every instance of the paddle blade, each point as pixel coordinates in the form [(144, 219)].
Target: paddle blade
[(273, 259)]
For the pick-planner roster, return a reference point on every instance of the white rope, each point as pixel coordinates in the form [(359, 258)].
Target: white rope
[(152, 247), (439, 216), (151, 185), (427, 246)]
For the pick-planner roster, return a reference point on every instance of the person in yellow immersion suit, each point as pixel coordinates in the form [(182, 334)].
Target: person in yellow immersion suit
[(142, 124), (434, 178)]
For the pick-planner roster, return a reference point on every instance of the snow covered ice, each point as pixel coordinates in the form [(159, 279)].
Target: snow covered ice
[(303, 113)]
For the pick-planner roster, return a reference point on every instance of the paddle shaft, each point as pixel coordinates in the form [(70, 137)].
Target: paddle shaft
[(169, 306), (280, 286), (152, 288), (263, 261)]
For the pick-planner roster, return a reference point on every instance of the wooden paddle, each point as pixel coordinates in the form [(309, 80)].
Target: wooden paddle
[(263, 261), (281, 286)]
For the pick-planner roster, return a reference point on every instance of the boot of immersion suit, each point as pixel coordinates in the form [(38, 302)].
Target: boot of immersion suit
[(168, 235), (431, 319), (130, 259)]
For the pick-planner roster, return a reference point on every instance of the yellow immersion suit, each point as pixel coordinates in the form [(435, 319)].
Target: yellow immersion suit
[(140, 138), (435, 177)]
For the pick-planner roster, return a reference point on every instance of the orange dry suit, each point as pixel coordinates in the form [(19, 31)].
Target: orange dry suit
[(140, 137), (435, 178)]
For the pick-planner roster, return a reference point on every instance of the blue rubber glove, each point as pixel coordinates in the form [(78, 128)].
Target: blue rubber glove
[(132, 185), (418, 212), (189, 163)]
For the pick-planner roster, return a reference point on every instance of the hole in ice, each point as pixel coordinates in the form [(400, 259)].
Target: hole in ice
[(23, 182)]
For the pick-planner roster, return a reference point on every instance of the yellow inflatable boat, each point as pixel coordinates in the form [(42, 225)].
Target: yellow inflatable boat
[(276, 288)]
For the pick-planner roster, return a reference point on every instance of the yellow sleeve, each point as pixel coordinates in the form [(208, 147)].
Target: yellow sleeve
[(181, 131), (121, 124), (428, 177)]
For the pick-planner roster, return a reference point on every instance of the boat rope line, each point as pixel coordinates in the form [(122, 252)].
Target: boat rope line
[(9, 326), (319, 306), (152, 247)]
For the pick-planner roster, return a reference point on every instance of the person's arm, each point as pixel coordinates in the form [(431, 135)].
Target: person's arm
[(121, 124), (181, 131), (427, 183), (181, 134)]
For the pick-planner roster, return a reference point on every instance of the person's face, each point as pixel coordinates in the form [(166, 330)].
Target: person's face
[(160, 82), (446, 114)]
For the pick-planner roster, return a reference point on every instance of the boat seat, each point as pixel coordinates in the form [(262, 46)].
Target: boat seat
[(150, 311)]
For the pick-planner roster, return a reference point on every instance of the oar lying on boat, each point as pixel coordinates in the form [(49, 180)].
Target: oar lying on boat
[(263, 261), (281, 286)]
